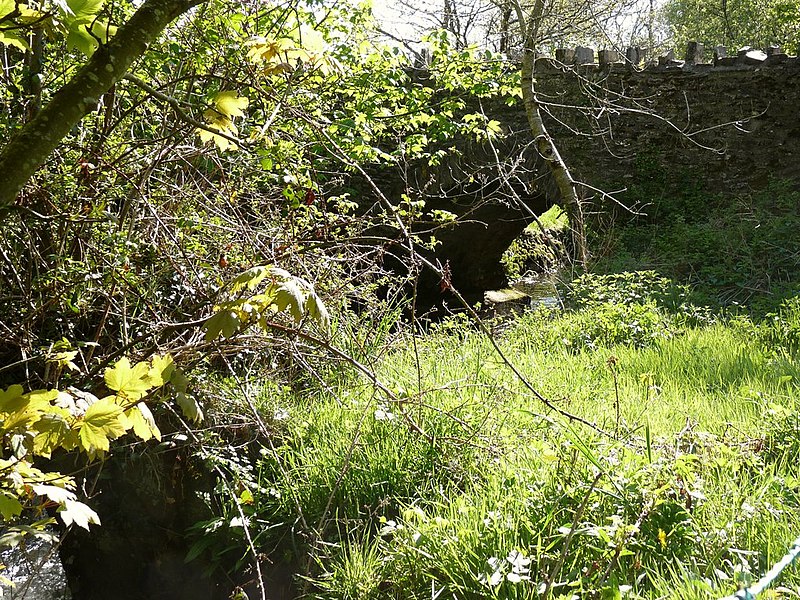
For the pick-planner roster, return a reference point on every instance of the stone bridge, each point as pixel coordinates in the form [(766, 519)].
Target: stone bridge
[(726, 125)]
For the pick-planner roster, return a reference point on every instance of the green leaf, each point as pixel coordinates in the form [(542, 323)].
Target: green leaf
[(225, 321), (493, 128), (12, 399), (78, 38), (190, 407), (316, 310), (250, 278), (161, 369), (85, 8), (131, 382), (20, 418), (86, 35), (290, 296), (100, 424), (141, 420), (79, 514), (10, 38), (223, 126), (10, 506), (53, 432)]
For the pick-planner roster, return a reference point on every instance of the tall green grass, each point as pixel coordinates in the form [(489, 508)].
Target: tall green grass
[(467, 486)]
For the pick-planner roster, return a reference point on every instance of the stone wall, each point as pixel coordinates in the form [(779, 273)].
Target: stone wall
[(733, 121), (725, 125)]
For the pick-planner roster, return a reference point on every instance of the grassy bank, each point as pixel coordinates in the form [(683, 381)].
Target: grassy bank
[(668, 467)]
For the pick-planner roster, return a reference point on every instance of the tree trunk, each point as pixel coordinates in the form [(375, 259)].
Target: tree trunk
[(529, 28), (31, 146)]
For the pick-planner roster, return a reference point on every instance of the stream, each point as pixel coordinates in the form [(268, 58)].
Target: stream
[(36, 571)]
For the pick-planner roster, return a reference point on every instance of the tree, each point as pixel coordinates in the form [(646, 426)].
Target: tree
[(31, 146), (529, 27), (734, 23)]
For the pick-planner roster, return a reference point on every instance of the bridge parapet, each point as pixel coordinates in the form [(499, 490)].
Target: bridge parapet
[(695, 59), (722, 124)]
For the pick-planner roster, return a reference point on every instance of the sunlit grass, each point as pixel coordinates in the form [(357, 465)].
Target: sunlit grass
[(469, 486)]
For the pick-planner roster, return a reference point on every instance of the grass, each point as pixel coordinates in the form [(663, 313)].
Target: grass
[(469, 487)]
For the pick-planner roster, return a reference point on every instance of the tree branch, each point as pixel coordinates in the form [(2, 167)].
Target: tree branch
[(31, 146)]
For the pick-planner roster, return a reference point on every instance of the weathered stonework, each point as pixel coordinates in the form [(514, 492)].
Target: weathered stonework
[(732, 124)]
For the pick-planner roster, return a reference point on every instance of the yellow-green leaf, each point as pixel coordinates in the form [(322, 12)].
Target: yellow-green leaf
[(12, 399), (231, 104), (41, 399), (85, 8), (20, 418), (190, 407), (161, 369), (10, 507), (100, 424), (316, 310), (250, 278), (53, 432), (225, 321), (142, 421), (221, 142), (10, 38), (290, 296), (131, 382)]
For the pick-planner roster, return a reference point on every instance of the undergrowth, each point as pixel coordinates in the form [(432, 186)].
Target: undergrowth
[(462, 484)]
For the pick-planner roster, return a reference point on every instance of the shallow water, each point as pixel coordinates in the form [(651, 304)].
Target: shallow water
[(542, 290), (36, 571)]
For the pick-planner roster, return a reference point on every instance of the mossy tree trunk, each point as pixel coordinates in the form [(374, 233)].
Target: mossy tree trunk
[(32, 144), (529, 28)]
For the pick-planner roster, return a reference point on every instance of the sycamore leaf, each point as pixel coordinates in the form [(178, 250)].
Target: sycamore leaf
[(251, 278), (53, 492), (12, 399), (268, 51), (225, 321), (317, 311), (85, 8), (493, 128), (79, 514), (179, 380), (141, 420), (100, 424), (290, 296), (231, 104), (10, 38), (10, 507), (78, 38), (20, 418), (40, 400), (53, 432), (190, 407), (131, 382), (85, 35), (221, 142), (161, 369)]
